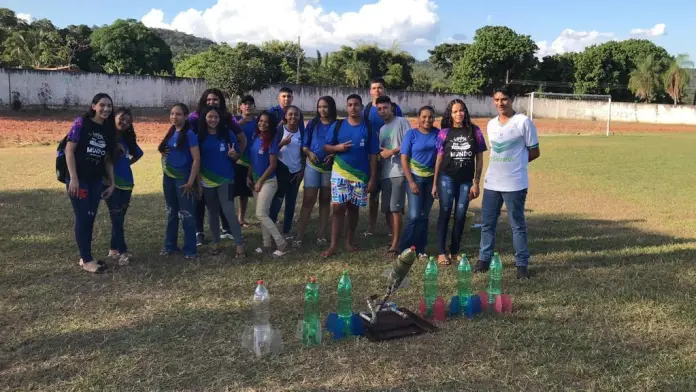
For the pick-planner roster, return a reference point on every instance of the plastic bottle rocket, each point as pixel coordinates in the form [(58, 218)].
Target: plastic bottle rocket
[(311, 327), (430, 286), (495, 279), (398, 273), (261, 338), (463, 282), (345, 302)]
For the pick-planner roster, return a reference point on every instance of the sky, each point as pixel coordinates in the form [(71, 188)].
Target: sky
[(415, 25)]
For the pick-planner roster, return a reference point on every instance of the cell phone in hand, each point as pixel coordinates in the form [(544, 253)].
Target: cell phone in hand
[(82, 193)]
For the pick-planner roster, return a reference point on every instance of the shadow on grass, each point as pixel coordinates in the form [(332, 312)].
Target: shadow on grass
[(610, 308)]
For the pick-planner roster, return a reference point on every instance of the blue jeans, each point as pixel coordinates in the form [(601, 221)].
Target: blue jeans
[(85, 207), (490, 211), (179, 207), (416, 230), (451, 192), (118, 205), (291, 190)]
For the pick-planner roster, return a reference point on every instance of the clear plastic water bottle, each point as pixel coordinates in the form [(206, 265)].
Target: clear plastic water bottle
[(262, 320), (345, 301), (463, 281), (495, 285), (430, 285), (311, 331)]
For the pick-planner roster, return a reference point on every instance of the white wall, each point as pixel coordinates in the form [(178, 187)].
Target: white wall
[(620, 111), (57, 89)]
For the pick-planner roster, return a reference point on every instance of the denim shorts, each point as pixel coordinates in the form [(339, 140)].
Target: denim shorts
[(316, 179)]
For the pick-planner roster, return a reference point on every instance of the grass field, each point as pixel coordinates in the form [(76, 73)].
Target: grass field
[(610, 307)]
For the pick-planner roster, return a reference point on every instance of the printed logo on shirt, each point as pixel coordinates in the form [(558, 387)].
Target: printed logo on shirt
[(362, 142), (96, 148), (222, 147)]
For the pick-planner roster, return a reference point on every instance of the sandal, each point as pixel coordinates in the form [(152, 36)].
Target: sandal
[(240, 256), (280, 253), (297, 244), (214, 250), (321, 241), (444, 261)]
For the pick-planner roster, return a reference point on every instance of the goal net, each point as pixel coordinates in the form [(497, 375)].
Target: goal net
[(576, 113)]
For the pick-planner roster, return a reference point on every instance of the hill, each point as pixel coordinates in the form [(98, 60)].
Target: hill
[(182, 43)]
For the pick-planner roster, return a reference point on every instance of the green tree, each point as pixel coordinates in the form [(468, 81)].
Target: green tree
[(127, 46), (77, 41), (282, 60), (445, 56), (37, 46), (357, 73), (643, 80), (325, 72), (394, 78), (558, 71), (421, 81), (601, 69), (235, 70), (676, 78), (497, 53)]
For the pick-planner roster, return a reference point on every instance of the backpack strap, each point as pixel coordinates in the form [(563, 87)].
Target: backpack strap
[(337, 128)]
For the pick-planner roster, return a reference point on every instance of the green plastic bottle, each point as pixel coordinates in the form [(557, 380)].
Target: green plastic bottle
[(345, 301), (311, 331), (463, 282), (495, 285), (430, 285)]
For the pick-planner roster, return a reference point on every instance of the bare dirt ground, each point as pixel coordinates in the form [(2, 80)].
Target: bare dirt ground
[(31, 128)]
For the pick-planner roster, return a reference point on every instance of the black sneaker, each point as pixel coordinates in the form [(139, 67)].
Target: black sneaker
[(522, 272), (482, 266), (200, 237)]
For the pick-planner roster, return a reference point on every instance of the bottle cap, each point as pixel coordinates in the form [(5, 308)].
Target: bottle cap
[(313, 279), (259, 282)]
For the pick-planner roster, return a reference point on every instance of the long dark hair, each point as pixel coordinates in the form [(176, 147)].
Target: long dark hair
[(448, 121), (268, 136), (333, 112), (109, 125), (221, 132), (129, 134), (181, 140)]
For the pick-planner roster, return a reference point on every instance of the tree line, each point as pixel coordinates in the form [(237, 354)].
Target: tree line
[(630, 70)]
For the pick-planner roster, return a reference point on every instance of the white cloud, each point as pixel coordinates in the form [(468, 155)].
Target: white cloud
[(411, 23), (572, 41), (26, 17), (658, 30)]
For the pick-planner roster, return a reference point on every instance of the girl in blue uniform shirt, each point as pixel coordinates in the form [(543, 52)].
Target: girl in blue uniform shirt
[(127, 153)]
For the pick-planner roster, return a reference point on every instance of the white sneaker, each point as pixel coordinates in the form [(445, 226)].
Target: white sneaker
[(124, 258)]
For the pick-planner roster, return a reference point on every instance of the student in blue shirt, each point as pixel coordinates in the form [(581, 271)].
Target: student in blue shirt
[(180, 164), (127, 153), (219, 151), (214, 97), (418, 156), (317, 177), (263, 157), (247, 122), (354, 172), (371, 115), (285, 97)]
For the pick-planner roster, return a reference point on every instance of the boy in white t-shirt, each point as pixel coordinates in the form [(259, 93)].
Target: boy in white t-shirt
[(514, 143)]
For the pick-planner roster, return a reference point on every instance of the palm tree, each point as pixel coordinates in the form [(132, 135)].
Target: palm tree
[(357, 72), (644, 80), (677, 78)]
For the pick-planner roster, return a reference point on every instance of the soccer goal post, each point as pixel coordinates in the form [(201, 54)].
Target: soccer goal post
[(580, 107)]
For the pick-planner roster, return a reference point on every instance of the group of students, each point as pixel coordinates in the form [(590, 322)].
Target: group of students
[(210, 157)]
